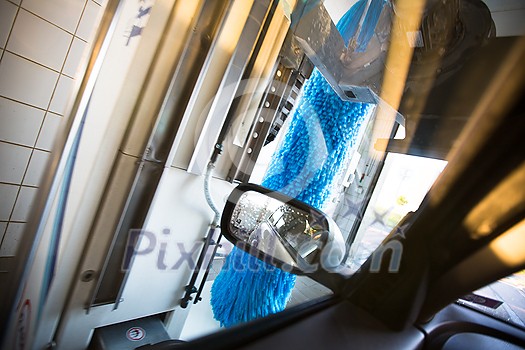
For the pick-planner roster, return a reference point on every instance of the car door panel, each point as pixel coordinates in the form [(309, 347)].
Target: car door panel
[(457, 326)]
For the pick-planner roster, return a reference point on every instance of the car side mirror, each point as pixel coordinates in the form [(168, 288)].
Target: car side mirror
[(282, 231)]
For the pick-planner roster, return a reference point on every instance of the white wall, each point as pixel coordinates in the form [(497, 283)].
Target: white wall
[(508, 15), (41, 45), (337, 8)]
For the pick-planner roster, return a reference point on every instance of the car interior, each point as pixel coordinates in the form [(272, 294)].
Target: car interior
[(467, 233), (441, 267)]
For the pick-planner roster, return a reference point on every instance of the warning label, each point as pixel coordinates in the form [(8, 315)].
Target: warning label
[(135, 333)]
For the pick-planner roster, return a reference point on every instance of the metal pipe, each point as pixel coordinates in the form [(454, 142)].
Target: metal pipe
[(207, 272), (208, 240), (190, 288), (207, 194)]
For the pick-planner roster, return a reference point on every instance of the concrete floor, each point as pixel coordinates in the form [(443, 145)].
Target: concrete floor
[(200, 321)]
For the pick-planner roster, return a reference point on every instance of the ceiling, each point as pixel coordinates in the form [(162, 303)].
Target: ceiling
[(508, 15)]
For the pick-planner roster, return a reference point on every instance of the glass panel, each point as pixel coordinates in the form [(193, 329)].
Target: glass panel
[(403, 183), (503, 299), (306, 289)]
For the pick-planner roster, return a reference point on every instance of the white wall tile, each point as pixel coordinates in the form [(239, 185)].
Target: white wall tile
[(19, 123), (63, 13), (14, 162), (61, 95), (7, 17), (46, 139), (31, 37), (7, 202), (73, 58), (37, 168), (87, 23), (24, 203), (12, 238), (26, 81), (32, 45), (509, 23)]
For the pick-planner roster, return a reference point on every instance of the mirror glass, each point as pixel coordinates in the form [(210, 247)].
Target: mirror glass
[(278, 229)]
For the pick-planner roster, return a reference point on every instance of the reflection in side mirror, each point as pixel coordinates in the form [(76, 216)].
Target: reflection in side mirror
[(281, 230)]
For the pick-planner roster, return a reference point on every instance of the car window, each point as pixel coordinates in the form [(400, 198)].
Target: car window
[(306, 289), (380, 186), (401, 186), (503, 299), (377, 190)]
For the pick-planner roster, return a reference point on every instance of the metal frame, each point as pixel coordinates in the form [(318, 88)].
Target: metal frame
[(316, 35), (149, 164), (257, 22), (278, 101), (270, 106), (201, 97)]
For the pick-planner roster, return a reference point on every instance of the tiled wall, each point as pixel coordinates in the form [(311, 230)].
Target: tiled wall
[(41, 45)]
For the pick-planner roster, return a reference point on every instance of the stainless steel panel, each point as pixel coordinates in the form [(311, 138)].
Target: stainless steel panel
[(209, 79), (176, 36), (228, 88), (184, 78), (261, 73), (109, 214), (271, 105), (131, 216), (350, 73), (158, 129), (322, 43)]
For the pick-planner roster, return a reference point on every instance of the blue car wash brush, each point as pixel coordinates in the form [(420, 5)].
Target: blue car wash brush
[(307, 165)]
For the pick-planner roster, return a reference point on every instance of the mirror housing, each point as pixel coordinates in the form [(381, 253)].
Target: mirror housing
[(282, 231)]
